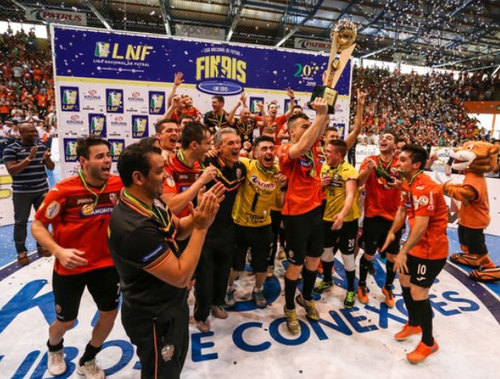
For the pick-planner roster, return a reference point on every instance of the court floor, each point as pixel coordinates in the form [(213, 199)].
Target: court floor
[(355, 343)]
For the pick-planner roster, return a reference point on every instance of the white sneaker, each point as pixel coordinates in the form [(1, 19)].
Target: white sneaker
[(56, 364), (90, 370)]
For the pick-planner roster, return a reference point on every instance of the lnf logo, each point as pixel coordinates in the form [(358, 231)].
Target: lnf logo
[(132, 52), (70, 99)]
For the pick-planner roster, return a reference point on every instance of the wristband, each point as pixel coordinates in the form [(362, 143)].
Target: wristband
[(284, 188)]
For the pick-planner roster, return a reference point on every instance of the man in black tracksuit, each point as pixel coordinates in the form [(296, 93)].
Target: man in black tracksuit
[(217, 254)]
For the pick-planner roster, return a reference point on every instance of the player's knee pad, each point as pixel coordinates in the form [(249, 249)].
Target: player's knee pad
[(349, 262), (327, 255)]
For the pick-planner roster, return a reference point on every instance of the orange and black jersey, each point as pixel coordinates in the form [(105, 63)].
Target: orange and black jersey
[(78, 225), (231, 178), (180, 177), (215, 122)]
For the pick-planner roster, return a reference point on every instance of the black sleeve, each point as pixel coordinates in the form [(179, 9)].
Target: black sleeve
[(145, 247)]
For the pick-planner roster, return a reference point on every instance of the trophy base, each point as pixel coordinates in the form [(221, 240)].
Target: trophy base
[(327, 93)]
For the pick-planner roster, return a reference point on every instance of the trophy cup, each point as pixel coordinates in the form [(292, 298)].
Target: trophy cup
[(343, 38)]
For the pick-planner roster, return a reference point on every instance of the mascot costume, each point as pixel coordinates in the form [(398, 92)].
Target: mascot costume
[(474, 158)]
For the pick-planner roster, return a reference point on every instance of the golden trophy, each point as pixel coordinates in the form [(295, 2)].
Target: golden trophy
[(343, 41)]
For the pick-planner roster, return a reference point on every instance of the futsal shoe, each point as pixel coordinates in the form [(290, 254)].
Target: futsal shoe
[(471, 260), (389, 297), (309, 306), (407, 331), (363, 294), (203, 326), (259, 298), (219, 312), (422, 352), (56, 365), (485, 275), (230, 300), (43, 252), (323, 286), (349, 300), (90, 370), (292, 323), (22, 258)]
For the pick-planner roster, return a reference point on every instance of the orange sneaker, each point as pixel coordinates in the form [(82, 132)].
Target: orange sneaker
[(421, 352), (407, 331), (389, 297), (362, 294)]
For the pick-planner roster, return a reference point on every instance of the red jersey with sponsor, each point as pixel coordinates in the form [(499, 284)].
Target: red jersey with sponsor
[(78, 227), (304, 181), (424, 197), (179, 178), (278, 123), (381, 200)]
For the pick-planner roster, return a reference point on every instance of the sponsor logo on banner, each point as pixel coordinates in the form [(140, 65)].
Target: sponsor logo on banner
[(136, 97), (70, 150), (57, 16), (221, 71), (70, 101), (139, 126), (113, 50), (92, 95), (116, 147), (74, 120), (97, 124), (318, 45), (156, 102), (114, 100), (118, 121), (102, 49)]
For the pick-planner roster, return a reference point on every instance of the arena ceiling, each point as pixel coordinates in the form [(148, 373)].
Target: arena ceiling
[(451, 34)]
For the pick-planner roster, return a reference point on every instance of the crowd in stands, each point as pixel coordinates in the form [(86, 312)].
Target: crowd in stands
[(26, 85), (425, 109)]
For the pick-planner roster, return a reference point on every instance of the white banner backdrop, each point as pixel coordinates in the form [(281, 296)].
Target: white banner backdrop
[(116, 85)]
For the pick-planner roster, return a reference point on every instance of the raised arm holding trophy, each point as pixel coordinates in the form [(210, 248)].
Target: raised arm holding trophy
[(343, 41)]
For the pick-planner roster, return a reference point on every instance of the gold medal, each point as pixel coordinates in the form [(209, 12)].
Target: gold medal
[(88, 209)]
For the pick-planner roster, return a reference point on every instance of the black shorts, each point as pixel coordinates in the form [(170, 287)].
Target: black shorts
[(343, 238), (259, 240), (304, 236), (170, 329), (103, 284), (473, 239), (423, 271), (276, 221), (375, 231)]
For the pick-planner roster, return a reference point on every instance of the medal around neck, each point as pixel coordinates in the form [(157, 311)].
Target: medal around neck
[(343, 42), (88, 209)]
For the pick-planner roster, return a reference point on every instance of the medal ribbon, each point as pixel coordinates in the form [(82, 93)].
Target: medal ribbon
[(381, 165), (144, 209), (244, 128), (335, 170), (97, 195), (414, 176), (309, 155)]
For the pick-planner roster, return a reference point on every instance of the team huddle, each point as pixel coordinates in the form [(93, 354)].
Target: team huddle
[(187, 207)]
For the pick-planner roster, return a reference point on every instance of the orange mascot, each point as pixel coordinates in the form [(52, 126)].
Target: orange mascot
[(474, 158)]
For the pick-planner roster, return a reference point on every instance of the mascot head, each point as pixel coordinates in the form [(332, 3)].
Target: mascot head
[(476, 156)]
